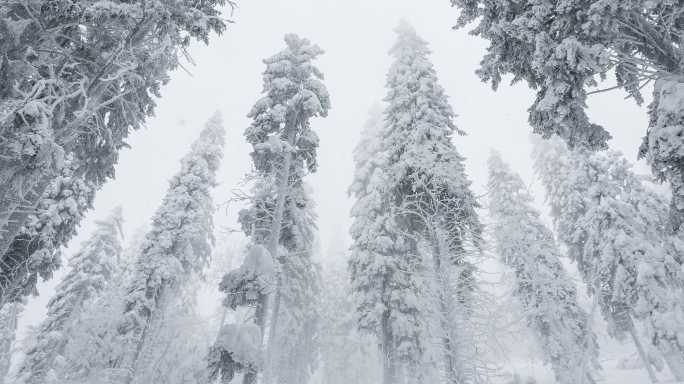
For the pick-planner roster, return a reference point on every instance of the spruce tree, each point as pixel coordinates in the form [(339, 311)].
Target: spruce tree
[(426, 190), (384, 278), (75, 79), (92, 269), (614, 229), (562, 50), (177, 246), (546, 292)]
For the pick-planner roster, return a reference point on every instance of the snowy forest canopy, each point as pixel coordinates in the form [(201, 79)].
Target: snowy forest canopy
[(446, 260)]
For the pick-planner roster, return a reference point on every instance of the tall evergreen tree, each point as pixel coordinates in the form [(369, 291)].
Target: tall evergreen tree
[(542, 286), (562, 49), (177, 246), (75, 79), (280, 218), (91, 271), (384, 279), (614, 229), (420, 186), (427, 180)]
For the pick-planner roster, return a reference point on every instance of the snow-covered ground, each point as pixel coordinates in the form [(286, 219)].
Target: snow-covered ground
[(612, 374)]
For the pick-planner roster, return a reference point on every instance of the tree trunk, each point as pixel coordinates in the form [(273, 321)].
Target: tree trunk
[(12, 312), (260, 314), (269, 373), (642, 354), (585, 376), (274, 240), (130, 361), (674, 357), (389, 363), (442, 286)]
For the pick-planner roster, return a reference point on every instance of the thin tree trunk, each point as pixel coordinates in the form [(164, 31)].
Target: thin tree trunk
[(269, 373), (674, 357), (6, 353), (9, 206), (389, 364), (223, 318), (130, 364), (642, 354), (584, 375), (260, 314), (441, 282), (274, 241)]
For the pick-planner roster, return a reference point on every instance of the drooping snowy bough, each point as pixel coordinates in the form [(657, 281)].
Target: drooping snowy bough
[(76, 77), (563, 48), (238, 348)]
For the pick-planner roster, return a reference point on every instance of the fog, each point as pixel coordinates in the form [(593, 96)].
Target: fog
[(356, 35)]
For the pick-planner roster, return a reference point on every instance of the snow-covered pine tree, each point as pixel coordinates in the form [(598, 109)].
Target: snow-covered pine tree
[(563, 49), (614, 230), (547, 294), (279, 219), (92, 268), (384, 278), (426, 185), (36, 250), (75, 79), (8, 334), (177, 246)]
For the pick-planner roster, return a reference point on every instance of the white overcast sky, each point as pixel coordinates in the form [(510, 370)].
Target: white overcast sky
[(356, 36)]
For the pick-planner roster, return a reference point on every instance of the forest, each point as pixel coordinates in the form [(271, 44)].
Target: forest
[(449, 192)]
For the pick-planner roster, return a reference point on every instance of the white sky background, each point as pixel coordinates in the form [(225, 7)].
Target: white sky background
[(356, 35)]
